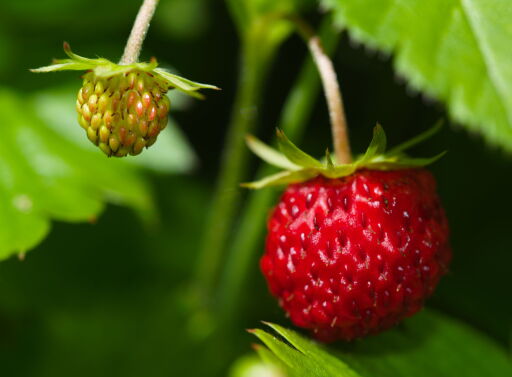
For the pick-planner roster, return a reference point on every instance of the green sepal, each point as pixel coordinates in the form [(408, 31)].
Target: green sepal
[(294, 154), (284, 177), (268, 154), (417, 139), (182, 84), (377, 144), (339, 171), (267, 356), (299, 166), (105, 68), (403, 162), (328, 159)]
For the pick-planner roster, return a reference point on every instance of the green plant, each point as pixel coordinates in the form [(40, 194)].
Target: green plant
[(172, 294)]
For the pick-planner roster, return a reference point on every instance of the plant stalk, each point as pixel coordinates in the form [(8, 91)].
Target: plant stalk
[(295, 115), (255, 60), (139, 30)]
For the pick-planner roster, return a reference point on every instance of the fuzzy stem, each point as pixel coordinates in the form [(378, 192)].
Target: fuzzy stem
[(138, 33), (332, 92), (294, 118)]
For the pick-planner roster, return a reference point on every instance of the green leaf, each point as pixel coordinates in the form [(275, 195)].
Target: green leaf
[(457, 51), (254, 366), (429, 344), (302, 357), (267, 356), (44, 177), (294, 360), (294, 154)]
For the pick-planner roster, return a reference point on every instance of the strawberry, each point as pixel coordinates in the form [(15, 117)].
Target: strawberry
[(355, 255), (124, 113), (123, 108), (353, 249)]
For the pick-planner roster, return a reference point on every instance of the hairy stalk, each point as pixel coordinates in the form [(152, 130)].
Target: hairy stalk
[(332, 92), (138, 33), (255, 60), (296, 113)]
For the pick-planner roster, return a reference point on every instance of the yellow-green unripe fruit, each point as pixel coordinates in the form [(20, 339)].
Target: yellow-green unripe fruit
[(124, 113), (123, 108)]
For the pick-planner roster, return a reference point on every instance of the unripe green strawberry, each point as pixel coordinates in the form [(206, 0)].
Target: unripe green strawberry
[(123, 108), (124, 113)]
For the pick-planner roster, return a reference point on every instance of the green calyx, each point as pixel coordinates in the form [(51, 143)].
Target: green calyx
[(299, 166), (105, 68)]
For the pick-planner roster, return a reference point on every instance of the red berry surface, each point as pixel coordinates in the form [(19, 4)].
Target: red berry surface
[(355, 255)]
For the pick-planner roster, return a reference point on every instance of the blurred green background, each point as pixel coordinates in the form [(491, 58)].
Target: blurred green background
[(112, 298)]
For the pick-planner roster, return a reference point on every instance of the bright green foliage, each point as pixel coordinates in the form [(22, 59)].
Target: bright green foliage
[(257, 366), (302, 357), (458, 51), (427, 345), (44, 177)]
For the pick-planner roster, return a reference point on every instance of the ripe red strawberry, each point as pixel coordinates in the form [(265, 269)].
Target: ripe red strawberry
[(355, 255), (353, 248)]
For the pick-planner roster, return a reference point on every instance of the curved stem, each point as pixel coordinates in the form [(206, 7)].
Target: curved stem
[(331, 90), (139, 30)]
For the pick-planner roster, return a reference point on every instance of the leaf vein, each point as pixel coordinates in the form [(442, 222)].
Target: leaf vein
[(483, 48)]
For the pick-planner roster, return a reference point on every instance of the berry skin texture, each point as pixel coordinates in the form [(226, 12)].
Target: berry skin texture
[(123, 113), (355, 255)]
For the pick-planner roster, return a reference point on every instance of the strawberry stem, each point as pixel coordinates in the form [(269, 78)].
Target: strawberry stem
[(331, 90), (138, 33)]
